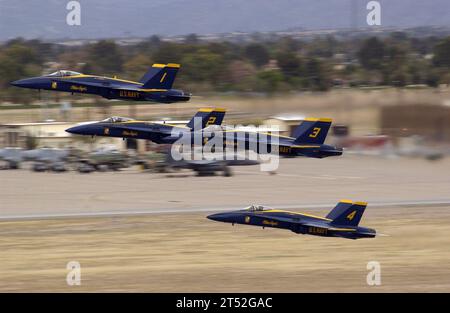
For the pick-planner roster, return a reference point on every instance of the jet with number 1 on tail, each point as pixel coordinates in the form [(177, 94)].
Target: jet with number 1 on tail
[(154, 86), (342, 221)]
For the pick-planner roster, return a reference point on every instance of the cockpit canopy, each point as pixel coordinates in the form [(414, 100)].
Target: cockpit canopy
[(117, 119), (63, 73), (254, 208)]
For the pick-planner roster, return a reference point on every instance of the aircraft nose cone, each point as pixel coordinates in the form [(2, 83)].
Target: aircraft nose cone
[(24, 83), (75, 130), (219, 217), (18, 83)]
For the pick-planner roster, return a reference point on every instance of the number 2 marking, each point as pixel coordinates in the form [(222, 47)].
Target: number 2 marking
[(211, 120)]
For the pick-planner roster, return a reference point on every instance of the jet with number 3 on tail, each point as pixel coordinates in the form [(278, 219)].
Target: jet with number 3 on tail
[(342, 221), (307, 140), (154, 86)]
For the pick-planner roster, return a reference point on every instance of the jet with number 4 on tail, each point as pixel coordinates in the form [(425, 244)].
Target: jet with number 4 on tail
[(342, 221), (161, 133), (155, 85)]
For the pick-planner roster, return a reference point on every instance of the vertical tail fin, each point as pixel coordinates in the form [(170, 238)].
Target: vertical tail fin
[(160, 76), (155, 69), (347, 212), (206, 117), (312, 131)]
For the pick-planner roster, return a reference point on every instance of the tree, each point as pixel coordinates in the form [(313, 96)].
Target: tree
[(105, 57), (269, 81), (442, 53), (17, 60), (315, 76), (168, 53), (372, 53), (136, 66), (289, 63), (257, 53), (191, 39), (203, 66)]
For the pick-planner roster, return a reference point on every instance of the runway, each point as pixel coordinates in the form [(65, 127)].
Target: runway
[(134, 231), (189, 253), (130, 213), (299, 184)]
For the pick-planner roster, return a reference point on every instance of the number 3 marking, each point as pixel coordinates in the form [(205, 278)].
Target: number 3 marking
[(315, 132)]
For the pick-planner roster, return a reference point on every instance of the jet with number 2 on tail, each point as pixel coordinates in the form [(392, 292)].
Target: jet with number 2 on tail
[(342, 221), (161, 133), (155, 85)]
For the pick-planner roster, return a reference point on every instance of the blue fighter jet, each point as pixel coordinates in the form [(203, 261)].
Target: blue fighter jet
[(307, 140), (161, 133), (155, 85), (342, 221)]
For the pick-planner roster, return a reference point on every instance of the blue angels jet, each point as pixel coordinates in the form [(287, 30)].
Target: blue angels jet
[(307, 140), (342, 221), (162, 133), (155, 85)]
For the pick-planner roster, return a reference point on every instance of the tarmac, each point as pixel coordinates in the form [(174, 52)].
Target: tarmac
[(134, 231)]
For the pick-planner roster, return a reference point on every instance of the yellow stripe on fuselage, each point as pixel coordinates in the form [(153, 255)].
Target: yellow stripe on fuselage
[(305, 146), (256, 132), (152, 90), (342, 229), (149, 123), (101, 78), (296, 213)]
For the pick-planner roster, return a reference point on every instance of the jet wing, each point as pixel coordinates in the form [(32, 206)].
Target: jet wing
[(142, 129), (102, 84), (304, 222), (99, 84)]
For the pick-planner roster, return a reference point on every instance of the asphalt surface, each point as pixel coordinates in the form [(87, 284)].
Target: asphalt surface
[(303, 184), (134, 231)]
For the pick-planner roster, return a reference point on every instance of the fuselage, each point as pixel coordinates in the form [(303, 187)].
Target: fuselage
[(162, 133), (262, 143), (107, 87), (299, 223)]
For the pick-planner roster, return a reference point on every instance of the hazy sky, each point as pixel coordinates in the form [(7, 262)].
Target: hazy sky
[(46, 19)]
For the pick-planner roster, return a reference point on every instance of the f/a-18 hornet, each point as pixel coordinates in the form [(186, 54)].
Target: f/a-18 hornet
[(161, 133), (307, 140), (342, 221), (155, 85)]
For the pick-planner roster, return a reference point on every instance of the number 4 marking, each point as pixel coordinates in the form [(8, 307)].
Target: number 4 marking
[(351, 215)]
